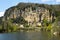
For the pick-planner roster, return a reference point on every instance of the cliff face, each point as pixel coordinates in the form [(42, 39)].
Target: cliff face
[(33, 14)]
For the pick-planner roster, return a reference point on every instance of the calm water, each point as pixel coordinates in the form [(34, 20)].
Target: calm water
[(28, 36)]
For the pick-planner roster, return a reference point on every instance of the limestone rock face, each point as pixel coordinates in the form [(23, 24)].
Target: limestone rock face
[(33, 15)]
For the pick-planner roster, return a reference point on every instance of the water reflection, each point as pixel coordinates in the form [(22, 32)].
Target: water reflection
[(28, 36)]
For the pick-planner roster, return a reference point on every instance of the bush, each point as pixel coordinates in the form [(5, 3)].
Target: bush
[(49, 27), (26, 25)]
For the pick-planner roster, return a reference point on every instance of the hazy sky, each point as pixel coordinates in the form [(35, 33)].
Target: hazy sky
[(5, 4)]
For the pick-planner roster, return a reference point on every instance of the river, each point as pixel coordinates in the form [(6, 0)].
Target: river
[(28, 36)]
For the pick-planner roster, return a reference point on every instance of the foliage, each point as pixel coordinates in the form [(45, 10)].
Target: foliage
[(20, 20), (45, 22), (56, 25), (10, 27), (0, 27), (14, 27), (26, 25), (49, 27), (1, 20)]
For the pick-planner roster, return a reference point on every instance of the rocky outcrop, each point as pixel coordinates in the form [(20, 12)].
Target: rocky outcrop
[(32, 14)]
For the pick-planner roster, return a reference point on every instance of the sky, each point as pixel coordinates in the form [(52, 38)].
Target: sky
[(5, 4)]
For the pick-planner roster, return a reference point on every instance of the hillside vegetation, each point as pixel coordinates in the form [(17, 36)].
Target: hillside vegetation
[(30, 16)]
